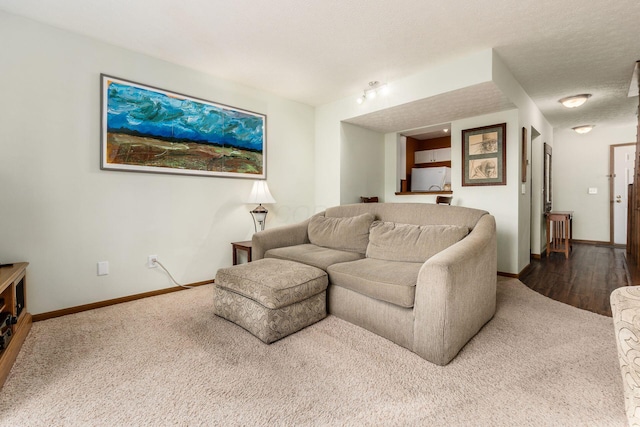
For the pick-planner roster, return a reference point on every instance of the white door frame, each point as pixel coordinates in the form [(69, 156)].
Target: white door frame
[(612, 177)]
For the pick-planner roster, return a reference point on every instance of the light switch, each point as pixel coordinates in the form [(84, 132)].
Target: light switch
[(593, 190), (103, 268)]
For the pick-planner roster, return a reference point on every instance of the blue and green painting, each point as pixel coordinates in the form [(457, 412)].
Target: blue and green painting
[(153, 128)]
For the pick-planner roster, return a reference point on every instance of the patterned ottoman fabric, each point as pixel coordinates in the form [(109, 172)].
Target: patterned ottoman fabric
[(271, 298), (625, 307)]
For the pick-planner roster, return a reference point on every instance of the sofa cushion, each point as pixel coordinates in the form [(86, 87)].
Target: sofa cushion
[(343, 233), (411, 243), (313, 255), (412, 213), (390, 281)]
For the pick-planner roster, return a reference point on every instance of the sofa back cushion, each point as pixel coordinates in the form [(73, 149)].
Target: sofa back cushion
[(342, 233), (411, 243), (412, 213)]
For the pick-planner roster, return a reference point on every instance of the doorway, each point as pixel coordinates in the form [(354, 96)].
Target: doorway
[(621, 167)]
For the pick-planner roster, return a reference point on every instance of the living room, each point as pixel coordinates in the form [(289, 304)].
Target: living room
[(63, 214)]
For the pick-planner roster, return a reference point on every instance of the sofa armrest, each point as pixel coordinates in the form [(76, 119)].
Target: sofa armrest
[(625, 308), (456, 294), (286, 235)]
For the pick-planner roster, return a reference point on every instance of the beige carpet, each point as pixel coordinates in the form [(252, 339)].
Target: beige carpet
[(167, 360)]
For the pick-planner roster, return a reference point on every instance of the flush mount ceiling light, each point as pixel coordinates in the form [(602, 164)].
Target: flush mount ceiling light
[(575, 100), (583, 129), (374, 89)]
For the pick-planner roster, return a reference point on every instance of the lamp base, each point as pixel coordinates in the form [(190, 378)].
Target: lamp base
[(259, 215)]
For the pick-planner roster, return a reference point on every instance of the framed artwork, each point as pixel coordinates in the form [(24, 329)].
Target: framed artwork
[(524, 154), (547, 187), (146, 129), (484, 155)]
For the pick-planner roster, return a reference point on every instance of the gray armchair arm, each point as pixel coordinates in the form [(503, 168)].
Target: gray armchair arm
[(286, 235), (456, 294)]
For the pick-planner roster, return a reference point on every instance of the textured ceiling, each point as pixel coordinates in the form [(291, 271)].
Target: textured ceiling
[(320, 51), (455, 105)]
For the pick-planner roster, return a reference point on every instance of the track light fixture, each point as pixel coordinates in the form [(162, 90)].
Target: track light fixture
[(375, 88)]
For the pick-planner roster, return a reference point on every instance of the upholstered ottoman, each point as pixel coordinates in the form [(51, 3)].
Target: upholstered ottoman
[(271, 298)]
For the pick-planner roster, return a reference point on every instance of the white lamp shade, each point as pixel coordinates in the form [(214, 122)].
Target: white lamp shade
[(260, 193)]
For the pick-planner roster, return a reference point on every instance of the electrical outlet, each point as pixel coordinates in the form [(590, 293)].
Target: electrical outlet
[(151, 261), (103, 268)]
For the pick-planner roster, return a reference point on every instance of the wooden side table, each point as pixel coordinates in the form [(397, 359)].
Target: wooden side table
[(559, 232), (241, 246)]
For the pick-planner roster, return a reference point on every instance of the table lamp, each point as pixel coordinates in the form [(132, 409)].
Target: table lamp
[(260, 194)]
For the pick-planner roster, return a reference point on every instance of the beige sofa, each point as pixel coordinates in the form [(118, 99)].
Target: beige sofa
[(420, 275), (625, 308)]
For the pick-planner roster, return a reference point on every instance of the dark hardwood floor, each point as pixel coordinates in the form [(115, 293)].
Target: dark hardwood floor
[(585, 280)]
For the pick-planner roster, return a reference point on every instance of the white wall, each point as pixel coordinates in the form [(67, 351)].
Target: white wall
[(463, 72), (497, 200), (580, 162), (362, 164), (62, 214), (507, 203)]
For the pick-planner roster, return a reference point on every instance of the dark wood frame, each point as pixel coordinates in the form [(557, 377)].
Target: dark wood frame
[(524, 154), (500, 156), (547, 178), (245, 246), (633, 219)]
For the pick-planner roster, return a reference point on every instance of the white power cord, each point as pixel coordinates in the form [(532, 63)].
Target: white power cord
[(172, 279)]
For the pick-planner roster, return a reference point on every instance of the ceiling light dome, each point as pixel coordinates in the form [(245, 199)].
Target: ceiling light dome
[(575, 100), (583, 128)]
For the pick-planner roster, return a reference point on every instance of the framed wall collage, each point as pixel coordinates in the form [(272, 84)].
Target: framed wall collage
[(484, 155)]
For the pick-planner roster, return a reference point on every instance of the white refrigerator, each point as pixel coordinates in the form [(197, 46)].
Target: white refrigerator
[(430, 179)]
